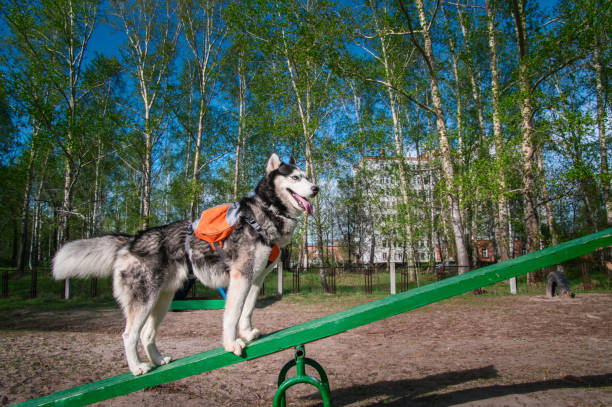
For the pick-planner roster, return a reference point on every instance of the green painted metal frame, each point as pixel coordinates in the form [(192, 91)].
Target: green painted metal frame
[(329, 325), (197, 304), (300, 361)]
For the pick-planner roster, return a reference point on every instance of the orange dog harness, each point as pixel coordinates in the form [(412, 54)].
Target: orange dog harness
[(217, 223)]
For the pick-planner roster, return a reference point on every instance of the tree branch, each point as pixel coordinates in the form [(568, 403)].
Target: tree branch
[(413, 38), (554, 71), (402, 92)]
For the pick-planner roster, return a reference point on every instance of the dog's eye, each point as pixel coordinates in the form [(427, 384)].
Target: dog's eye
[(295, 177)]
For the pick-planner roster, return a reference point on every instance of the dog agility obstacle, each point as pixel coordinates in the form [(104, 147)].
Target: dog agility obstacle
[(330, 325), (199, 304)]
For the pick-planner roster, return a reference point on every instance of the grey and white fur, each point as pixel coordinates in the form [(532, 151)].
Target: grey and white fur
[(151, 266)]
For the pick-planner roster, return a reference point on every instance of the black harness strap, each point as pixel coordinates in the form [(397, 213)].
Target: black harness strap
[(188, 250), (219, 250), (255, 226)]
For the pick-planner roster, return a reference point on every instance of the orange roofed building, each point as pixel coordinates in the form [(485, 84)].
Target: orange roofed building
[(332, 254)]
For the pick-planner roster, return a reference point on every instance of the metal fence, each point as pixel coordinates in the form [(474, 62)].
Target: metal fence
[(38, 282), (342, 280), (365, 279)]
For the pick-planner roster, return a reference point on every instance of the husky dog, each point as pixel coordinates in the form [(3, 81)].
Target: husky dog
[(148, 268)]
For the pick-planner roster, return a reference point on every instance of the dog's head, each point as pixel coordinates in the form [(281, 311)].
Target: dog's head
[(291, 187)]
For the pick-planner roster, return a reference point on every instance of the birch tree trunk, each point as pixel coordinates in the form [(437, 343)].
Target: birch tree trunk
[(55, 40), (601, 128), (151, 37), (63, 233), (455, 60), (195, 174), (318, 222), (97, 192), (304, 105), (241, 121), (398, 141), (22, 237), (467, 211), (477, 203), (528, 147), (554, 236), (501, 226), (463, 260), (427, 197), (146, 172), (473, 82), (35, 245), (358, 118), (204, 33)]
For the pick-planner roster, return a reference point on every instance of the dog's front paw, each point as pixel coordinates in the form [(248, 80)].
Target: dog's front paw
[(140, 369), (250, 334), (235, 347)]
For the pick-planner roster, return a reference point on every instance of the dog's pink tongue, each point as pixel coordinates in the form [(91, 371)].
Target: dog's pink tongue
[(307, 206)]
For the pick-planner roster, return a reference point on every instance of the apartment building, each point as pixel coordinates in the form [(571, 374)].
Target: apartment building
[(388, 238)]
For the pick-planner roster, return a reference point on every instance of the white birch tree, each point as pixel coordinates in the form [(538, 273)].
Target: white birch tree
[(448, 172), (152, 32), (205, 32)]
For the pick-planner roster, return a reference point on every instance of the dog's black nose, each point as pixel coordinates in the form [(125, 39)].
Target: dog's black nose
[(315, 190)]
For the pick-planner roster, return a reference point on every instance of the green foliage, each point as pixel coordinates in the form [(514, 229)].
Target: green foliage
[(311, 84)]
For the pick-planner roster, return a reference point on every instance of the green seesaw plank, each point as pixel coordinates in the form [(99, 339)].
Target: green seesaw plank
[(197, 304), (329, 325)]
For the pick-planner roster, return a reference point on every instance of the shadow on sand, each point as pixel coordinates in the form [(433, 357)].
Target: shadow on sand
[(416, 392)]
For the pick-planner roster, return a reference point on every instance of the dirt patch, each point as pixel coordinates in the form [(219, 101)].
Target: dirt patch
[(470, 351)]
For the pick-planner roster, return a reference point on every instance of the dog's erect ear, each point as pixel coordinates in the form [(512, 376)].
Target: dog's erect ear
[(273, 163), (292, 161)]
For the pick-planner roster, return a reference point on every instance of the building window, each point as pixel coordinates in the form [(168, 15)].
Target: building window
[(485, 253)]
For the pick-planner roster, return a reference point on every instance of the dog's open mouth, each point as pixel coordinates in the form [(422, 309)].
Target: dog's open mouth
[(303, 202)]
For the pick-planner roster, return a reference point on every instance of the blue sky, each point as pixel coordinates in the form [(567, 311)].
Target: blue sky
[(107, 39)]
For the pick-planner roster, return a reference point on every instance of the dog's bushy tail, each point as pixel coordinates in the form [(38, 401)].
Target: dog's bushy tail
[(88, 257)]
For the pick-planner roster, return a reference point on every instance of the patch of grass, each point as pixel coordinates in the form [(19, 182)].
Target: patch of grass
[(331, 299), (349, 289)]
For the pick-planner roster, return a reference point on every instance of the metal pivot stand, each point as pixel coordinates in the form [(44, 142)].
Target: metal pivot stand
[(300, 363)]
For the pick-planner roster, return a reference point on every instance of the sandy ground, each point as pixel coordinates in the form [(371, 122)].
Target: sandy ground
[(471, 351)]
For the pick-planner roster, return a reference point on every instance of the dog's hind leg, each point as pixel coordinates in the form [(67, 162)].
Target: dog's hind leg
[(136, 294), (236, 295), (136, 313), (149, 331)]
